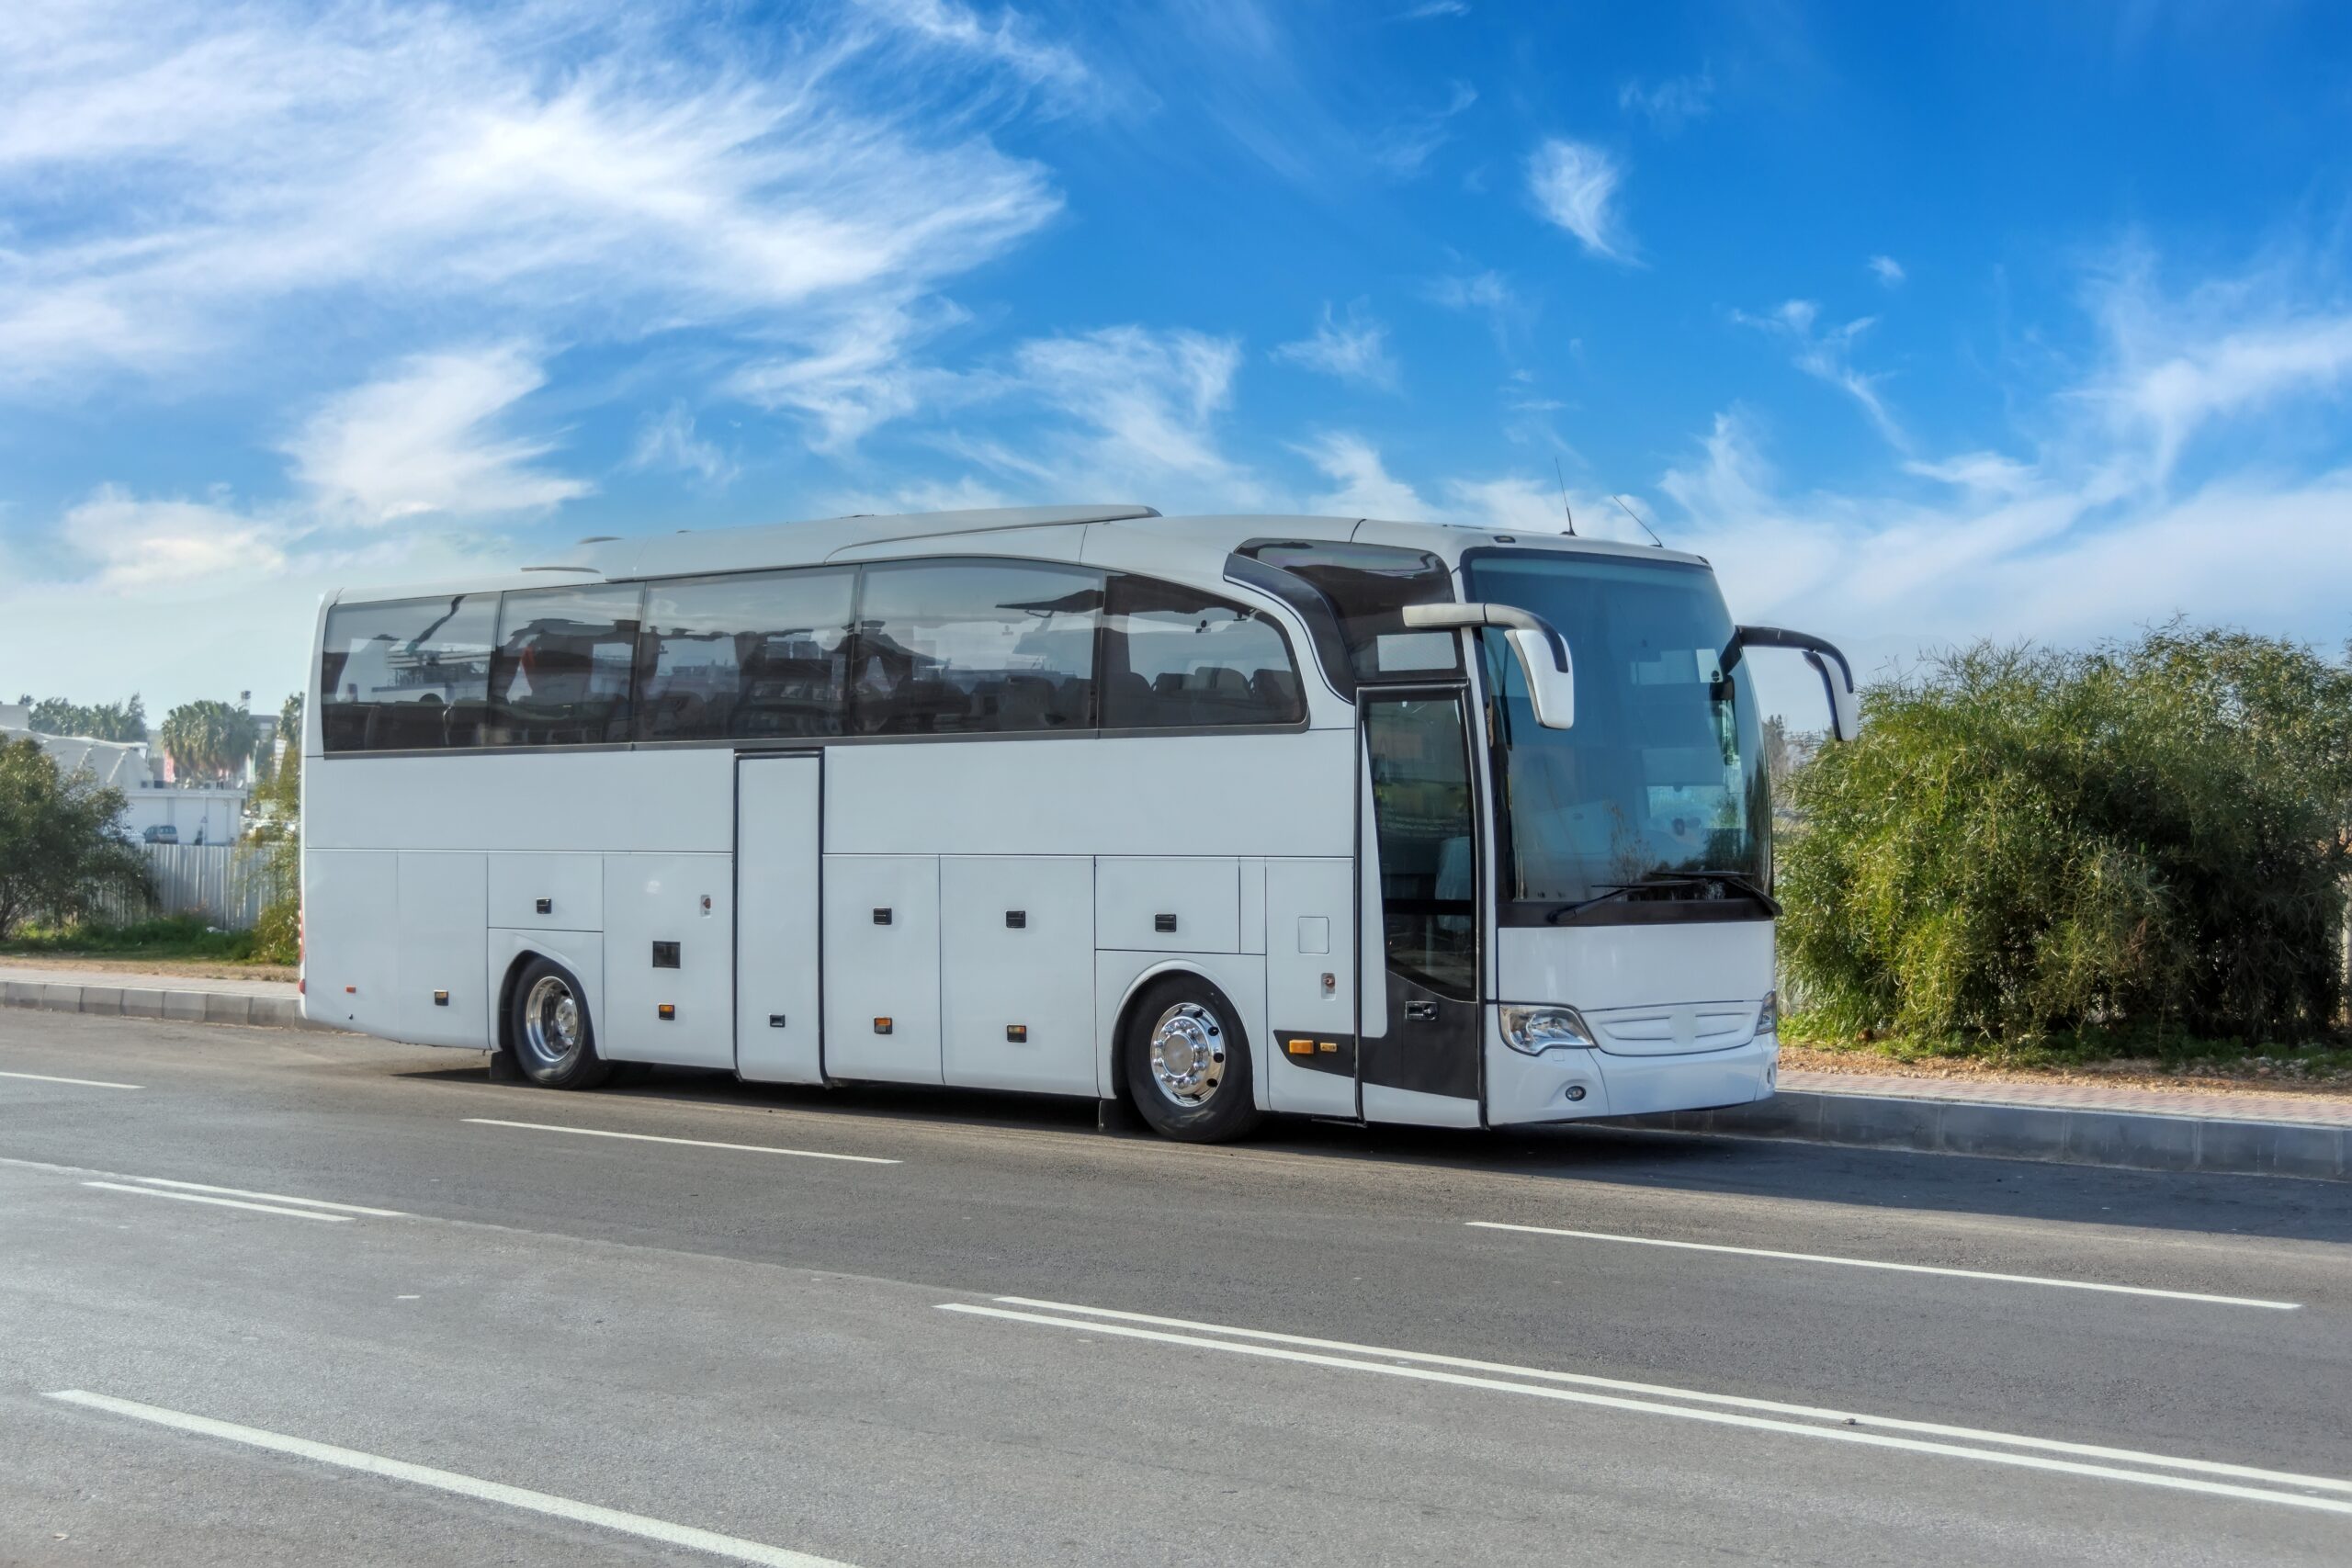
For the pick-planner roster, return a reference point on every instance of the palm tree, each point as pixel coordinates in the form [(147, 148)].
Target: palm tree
[(207, 739)]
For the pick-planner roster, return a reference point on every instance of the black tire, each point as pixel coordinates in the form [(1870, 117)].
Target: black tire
[(555, 1048), (1198, 1087)]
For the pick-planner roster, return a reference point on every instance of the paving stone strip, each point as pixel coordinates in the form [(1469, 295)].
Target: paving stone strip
[(2298, 1135)]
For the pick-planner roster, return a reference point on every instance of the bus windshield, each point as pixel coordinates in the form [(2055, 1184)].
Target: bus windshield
[(1661, 777)]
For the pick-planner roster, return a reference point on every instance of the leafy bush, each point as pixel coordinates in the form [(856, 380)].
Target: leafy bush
[(2023, 841), (277, 845), (61, 851), (164, 936)]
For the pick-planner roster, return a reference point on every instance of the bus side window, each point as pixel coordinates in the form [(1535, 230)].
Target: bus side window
[(406, 676), (1179, 658), (562, 669), (974, 648), (759, 655)]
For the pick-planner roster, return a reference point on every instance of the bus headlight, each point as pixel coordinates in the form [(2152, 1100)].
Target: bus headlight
[(1767, 1017), (1538, 1030)]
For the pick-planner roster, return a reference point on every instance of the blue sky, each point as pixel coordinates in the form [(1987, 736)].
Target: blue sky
[(1925, 324)]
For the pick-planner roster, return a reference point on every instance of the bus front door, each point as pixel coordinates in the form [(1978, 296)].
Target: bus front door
[(1420, 1062), (776, 915)]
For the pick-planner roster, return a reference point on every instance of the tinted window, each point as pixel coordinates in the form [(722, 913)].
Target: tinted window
[(561, 672), (744, 657), (1176, 656), (1370, 586), (1420, 793), (406, 676), (974, 647)]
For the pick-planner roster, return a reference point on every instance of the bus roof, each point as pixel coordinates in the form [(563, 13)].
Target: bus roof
[(694, 552)]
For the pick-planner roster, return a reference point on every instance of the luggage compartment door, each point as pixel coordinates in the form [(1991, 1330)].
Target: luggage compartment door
[(778, 1016)]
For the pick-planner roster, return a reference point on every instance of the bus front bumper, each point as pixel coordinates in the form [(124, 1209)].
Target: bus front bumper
[(1572, 1084)]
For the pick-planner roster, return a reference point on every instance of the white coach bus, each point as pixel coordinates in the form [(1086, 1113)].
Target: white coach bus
[(1216, 815)]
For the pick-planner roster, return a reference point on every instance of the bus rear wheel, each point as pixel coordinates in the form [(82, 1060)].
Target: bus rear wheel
[(1187, 1062), (555, 1042)]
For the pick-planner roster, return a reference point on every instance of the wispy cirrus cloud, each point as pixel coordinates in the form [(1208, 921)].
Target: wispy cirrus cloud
[(264, 156), (1827, 355), (1887, 270), (427, 438), (1355, 349), (1670, 102), (1573, 185)]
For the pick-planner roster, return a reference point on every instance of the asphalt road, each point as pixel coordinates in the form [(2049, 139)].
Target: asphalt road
[(431, 1319)]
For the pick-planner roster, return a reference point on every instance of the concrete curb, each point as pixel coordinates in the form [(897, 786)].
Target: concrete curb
[(155, 1002), (2125, 1139), (2128, 1140)]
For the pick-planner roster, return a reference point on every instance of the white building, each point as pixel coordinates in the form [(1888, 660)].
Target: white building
[(211, 815)]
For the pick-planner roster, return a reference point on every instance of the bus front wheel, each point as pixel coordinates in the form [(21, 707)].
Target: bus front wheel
[(555, 1043), (1187, 1062)]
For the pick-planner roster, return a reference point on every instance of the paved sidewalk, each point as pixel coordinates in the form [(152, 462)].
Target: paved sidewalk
[(2307, 1110), (120, 979)]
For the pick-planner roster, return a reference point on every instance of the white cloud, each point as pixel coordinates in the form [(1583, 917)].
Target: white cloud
[(1887, 270), (668, 441), (1827, 355), (1362, 487), (174, 546), (425, 439), (1355, 350), (1433, 8), (1149, 400), (1669, 103), (183, 171), (1405, 147), (1010, 41), (2231, 348), (1575, 185)]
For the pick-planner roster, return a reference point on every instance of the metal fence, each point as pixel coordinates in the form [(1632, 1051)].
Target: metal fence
[(227, 884)]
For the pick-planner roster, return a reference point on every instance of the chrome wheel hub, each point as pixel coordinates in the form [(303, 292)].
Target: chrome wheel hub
[(551, 1029), (1188, 1055)]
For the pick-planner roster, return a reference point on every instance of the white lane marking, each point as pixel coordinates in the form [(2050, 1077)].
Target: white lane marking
[(1699, 1396), (1714, 1417), (86, 1083), (271, 1197), (223, 1203), (638, 1525), (1898, 1268), (692, 1142)]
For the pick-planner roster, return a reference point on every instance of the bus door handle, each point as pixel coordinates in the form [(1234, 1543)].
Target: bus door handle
[(1420, 1012)]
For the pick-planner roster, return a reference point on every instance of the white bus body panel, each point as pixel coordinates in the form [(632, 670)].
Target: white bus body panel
[(1036, 977), (876, 970), (1674, 1008), (1161, 904), (688, 900), (442, 903), (1310, 983), (778, 1034), (351, 903)]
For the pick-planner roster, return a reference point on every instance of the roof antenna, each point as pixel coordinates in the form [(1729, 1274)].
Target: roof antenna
[(1563, 497), (1637, 520)]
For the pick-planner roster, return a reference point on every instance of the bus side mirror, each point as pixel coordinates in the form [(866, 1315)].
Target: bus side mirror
[(1543, 652), (1837, 675)]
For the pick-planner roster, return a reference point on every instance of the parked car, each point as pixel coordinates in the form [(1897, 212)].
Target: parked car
[(163, 833)]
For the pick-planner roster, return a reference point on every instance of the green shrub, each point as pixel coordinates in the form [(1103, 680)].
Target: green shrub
[(164, 936), (2024, 842)]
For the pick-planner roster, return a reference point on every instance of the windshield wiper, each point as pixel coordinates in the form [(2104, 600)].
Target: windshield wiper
[(1737, 882)]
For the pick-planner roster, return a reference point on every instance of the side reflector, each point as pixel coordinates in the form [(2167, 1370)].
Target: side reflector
[(440, 998), (1301, 1047), (1017, 1032), (881, 1026), (666, 1012)]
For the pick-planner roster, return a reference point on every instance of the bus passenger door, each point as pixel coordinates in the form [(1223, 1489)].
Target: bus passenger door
[(1422, 1064), (777, 870)]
